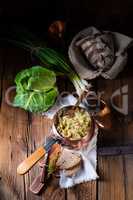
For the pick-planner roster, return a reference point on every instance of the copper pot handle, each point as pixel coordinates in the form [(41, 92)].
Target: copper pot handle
[(7, 95), (99, 123), (102, 113)]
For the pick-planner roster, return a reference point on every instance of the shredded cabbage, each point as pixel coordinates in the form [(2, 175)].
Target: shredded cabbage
[(76, 126)]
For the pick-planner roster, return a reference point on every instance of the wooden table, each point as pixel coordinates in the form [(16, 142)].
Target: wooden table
[(21, 133)]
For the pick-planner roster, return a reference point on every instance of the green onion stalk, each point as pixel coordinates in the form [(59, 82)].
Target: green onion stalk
[(55, 61), (58, 63)]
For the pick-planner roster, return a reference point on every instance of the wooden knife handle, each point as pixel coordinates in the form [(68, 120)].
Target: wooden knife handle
[(28, 163)]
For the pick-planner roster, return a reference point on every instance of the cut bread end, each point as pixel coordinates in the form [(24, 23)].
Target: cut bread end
[(73, 171), (68, 159)]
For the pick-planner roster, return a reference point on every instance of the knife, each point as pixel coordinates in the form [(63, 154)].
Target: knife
[(29, 162)]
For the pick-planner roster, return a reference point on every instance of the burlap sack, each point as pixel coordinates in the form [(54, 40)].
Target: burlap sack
[(82, 66)]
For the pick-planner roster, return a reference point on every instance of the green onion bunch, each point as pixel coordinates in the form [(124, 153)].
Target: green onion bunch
[(52, 60)]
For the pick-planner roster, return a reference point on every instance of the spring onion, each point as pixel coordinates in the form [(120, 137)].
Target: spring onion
[(53, 61)]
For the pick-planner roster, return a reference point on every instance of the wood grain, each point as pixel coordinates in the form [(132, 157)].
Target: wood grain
[(12, 130), (127, 79), (111, 183), (128, 176), (86, 191), (113, 136)]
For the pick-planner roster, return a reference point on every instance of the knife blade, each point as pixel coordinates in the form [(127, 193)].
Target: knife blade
[(31, 160)]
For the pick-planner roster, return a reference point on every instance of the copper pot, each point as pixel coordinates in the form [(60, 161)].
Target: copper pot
[(84, 141), (74, 143)]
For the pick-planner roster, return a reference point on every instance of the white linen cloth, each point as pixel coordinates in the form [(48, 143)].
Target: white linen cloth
[(88, 154)]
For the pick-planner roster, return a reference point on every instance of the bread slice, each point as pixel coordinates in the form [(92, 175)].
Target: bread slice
[(73, 171), (68, 159)]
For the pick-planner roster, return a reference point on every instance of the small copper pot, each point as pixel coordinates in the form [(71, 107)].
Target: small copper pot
[(84, 141), (71, 142)]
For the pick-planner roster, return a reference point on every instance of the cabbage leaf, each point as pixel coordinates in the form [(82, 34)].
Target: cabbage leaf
[(36, 89)]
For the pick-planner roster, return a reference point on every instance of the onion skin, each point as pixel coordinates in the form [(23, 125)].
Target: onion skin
[(56, 29)]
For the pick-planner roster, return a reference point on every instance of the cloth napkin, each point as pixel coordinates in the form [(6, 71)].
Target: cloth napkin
[(88, 154)]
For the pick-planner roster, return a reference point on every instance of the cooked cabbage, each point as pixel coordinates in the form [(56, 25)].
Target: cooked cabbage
[(76, 126)]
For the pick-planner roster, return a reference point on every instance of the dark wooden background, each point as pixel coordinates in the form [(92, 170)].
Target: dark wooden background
[(37, 15)]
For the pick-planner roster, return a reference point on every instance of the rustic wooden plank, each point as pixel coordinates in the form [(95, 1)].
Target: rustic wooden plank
[(86, 191), (53, 191), (111, 183), (115, 150), (124, 123), (12, 132), (124, 134), (126, 79), (129, 135), (114, 135), (1, 74), (129, 176)]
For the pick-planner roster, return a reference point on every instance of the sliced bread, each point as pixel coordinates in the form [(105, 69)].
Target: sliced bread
[(68, 159), (73, 171)]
